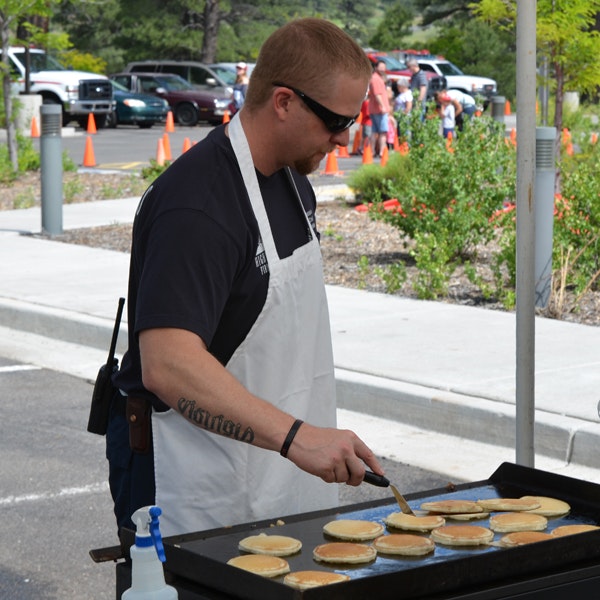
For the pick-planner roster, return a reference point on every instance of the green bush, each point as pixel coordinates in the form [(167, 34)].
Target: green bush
[(447, 194), (450, 201)]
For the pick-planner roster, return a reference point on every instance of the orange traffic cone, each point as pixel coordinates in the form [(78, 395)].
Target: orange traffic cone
[(89, 159), (566, 136), (226, 117), (385, 154), (594, 138), (160, 153), (342, 152), (187, 144), (507, 108), (367, 158), (569, 148), (91, 124), (170, 125), (331, 166), (513, 136), (357, 141), (35, 130), (167, 146)]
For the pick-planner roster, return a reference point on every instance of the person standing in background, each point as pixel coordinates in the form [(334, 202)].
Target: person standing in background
[(418, 86), (379, 108), (241, 85)]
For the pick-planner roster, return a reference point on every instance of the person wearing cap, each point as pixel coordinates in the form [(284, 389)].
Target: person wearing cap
[(241, 85), (464, 104), (229, 365), (447, 114)]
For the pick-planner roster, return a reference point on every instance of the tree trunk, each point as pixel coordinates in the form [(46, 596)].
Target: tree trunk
[(11, 134), (211, 29)]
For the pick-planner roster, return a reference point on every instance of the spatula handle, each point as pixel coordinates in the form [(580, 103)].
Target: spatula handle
[(378, 480)]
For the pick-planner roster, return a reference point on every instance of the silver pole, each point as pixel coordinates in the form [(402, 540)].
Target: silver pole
[(525, 319), (51, 168)]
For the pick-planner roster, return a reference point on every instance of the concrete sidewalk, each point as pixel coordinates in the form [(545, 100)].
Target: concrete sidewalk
[(427, 383)]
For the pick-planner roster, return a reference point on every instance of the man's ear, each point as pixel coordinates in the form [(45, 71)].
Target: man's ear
[(281, 101)]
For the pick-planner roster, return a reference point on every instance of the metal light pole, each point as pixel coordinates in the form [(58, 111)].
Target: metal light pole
[(525, 320)]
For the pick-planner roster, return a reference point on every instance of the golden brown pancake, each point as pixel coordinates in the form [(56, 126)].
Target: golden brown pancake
[(276, 545), (508, 504), (351, 529), (344, 552), (399, 520), (302, 580), (467, 516), (462, 535), (405, 544), (517, 521), (452, 506), (572, 529), (550, 507), (261, 564), (519, 538)]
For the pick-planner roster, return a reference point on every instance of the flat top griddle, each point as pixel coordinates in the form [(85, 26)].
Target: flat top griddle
[(202, 556)]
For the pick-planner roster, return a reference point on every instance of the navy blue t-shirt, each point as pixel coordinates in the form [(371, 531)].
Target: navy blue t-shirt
[(196, 260)]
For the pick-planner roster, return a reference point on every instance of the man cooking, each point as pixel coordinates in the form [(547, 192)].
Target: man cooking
[(228, 385)]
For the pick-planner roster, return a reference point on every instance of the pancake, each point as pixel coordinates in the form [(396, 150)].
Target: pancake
[(467, 516), (405, 544), (452, 506), (351, 529), (517, 521), (302, 580), (550, 507), (508, 504), (275, 545), (261, 564), (399, 520), (344, 552), (520, 538), (572, 529), (462, 535)]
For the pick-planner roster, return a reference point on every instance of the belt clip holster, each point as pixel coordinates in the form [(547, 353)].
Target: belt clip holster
[(138, 415)]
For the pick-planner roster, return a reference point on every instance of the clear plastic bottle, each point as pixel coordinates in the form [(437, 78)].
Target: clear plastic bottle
[(147, 556)]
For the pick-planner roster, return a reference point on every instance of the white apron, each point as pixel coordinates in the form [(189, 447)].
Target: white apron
[(204, 480)]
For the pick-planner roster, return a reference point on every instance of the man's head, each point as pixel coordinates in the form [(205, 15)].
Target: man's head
[(307, 54), (380, 67), (306, 89), (413, 65)]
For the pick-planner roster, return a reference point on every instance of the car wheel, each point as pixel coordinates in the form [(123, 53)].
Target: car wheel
[(111, 120), (186, 114), (100, 121)]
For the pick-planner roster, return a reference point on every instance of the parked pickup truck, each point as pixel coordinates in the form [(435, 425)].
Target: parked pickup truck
[(78, 92), (457, 80)]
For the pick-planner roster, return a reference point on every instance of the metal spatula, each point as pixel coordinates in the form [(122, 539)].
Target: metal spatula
[(381, 481)]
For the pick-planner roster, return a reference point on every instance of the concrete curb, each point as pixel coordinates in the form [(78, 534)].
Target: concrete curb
[(560, 437)]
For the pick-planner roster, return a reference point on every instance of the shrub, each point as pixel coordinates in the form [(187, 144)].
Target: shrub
[(447, 193)]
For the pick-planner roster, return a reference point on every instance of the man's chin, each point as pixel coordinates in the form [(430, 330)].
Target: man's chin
[(307, 165)]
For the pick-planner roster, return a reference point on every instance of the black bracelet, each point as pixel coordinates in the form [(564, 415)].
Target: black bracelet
[(290, 437)]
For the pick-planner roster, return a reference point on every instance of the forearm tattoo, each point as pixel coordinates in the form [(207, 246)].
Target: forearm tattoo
[(217, 424)]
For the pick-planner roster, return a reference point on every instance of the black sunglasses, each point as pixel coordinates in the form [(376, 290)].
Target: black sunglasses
[(334, 122)]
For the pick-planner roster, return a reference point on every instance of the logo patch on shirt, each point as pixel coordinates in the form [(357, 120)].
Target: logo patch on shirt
[(260, 259)]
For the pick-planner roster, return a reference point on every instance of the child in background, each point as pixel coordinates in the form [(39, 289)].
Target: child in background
[(365, 125), (447, 115)]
